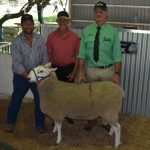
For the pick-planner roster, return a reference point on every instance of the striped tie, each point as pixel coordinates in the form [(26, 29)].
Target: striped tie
[(96, 45)]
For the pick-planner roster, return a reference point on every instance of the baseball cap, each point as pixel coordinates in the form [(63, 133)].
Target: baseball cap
[(26, 17), (63, 14), (101, 5)]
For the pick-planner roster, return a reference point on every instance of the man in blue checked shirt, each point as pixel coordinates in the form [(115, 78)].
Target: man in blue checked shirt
[(28, 50)]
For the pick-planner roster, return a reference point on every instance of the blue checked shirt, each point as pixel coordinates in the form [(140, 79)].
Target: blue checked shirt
[(26, 57)]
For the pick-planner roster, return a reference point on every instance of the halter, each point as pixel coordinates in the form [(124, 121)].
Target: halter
[(41, 78)]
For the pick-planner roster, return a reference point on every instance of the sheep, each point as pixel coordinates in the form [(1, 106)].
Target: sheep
[(79, 101)]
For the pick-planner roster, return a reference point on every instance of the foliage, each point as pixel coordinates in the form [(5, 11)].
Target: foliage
[(41, 4), (50, 19)]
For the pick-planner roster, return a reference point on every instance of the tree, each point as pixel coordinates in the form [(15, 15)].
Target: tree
[(41, 4), (26, 8), (13, 2)]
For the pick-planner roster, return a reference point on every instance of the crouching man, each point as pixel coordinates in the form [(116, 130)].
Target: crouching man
[(28, 50)]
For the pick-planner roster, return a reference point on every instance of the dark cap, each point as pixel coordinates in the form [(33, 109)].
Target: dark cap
[(26, 17), (101, 5), (63, 14)]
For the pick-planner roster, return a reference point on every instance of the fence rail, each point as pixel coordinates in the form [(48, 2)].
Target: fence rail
[(5, 47)]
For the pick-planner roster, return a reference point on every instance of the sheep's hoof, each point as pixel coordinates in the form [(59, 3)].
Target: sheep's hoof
[(58, 141), (116, 147)]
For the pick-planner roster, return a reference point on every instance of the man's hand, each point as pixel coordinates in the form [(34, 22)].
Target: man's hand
[(80, 77), (25, 74), (70, 77), (116, 78), (37, 82)]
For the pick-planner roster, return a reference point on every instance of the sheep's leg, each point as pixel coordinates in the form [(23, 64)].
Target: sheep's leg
[(117, 130), (111, 131), (55, 128), (104, 122), (59, 136)]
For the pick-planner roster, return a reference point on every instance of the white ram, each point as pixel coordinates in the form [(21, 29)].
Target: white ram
[(79, 101)]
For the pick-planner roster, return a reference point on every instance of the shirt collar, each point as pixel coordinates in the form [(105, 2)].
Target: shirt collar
[(22, 35), (103, 26), (59, 34)]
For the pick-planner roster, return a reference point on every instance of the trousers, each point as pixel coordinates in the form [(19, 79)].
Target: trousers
[(20, 87)]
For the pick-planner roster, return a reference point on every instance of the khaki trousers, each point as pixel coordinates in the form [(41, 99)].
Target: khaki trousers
[(93, 74)]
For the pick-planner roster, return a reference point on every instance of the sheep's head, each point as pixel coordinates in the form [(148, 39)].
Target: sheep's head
[(40, 72)]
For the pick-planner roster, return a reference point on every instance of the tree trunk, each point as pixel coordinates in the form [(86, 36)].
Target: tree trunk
[(40, 13), (1, 33)]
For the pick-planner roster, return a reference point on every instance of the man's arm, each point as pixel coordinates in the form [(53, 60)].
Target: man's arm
[(17, 63), (48, 45), (25, 74), (116, 77), (118, 67), (80, 71), (73, 73), (117, 58), (81, 60), (44, 52)]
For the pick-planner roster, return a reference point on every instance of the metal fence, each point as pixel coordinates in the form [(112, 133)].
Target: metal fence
[(5, 47), (126, 12), (136, 73)]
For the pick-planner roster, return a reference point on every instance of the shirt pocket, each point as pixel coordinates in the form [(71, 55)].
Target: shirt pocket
[(106, 43), (90, 42)]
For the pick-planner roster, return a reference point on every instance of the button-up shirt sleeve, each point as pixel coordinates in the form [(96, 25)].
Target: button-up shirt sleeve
[(17, 61), (77, 45), (48, 44), (44, 52), (82, 49), (116, 48)]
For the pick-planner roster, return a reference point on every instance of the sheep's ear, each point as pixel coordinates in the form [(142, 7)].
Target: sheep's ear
[(48, 65), (53, 69)]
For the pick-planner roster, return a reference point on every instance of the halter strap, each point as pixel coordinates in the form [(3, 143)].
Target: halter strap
[(37, 77)]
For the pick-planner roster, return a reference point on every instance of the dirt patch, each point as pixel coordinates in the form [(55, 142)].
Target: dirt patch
[(135, 133)]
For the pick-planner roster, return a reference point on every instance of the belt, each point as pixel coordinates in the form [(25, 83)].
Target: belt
[(104, 67)]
